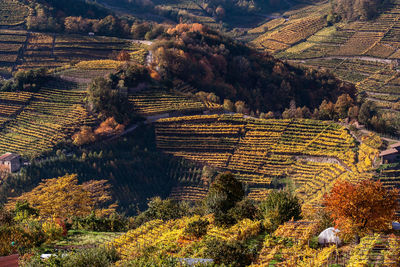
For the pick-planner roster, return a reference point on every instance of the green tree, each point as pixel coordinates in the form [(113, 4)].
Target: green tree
[(224, 193), (245, 209), (229, 253), (108, 101), (197, 228), (165, 210), (280, 206), (367, 111)]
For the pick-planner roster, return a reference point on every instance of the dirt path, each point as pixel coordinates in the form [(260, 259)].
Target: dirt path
[(324, 159), (365, 58)]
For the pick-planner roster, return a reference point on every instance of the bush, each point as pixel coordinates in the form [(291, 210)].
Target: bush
[(6, 218), (165, 210), (244, 209), (197, 228), (230, 253), (151, 261), (20, 239), (224, 192), (113, 223), (53, 230), (280, 206)]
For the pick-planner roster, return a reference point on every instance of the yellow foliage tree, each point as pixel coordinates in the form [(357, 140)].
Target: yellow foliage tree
[(63, 197)]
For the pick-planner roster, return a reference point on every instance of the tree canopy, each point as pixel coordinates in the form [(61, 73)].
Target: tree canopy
[(63, 197), (280, 206), (214, 63), (222, 196), (357, 10), (361, 208)]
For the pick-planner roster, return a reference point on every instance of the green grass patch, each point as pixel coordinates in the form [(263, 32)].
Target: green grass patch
[(84, 238)]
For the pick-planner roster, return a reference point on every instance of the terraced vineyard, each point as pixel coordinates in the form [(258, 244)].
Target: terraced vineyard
[(60, 50), (365, 53), (12, 13), (313, 154), (157, 101), (170, 236), (35, 122), (373, 250), (11, 43)]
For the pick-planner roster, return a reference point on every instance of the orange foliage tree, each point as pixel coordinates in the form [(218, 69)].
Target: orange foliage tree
[(361, 208), (63, 197), (123, 56), (84, 136), (109, 127)]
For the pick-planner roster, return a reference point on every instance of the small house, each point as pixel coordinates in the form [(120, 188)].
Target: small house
[(11, 161), (392, 154)]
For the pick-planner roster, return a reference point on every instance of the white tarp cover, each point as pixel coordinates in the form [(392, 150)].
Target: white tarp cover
[(396, 226), (329, 236)]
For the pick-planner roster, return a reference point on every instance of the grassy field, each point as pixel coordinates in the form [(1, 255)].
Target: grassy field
[(82, 238)]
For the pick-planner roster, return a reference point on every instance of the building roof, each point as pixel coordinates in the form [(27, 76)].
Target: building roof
[(391, 151), (9, 261), (8, 156), (395, 145)]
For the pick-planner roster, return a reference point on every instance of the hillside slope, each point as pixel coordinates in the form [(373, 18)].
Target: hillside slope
[(365, 53)]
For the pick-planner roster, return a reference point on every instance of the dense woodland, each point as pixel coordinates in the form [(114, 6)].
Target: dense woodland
[(358, 10), (214, 63)]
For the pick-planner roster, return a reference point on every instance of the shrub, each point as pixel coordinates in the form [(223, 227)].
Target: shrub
[(151, 261), (197, 228), (244, 209), (6, 218), (113, 223), (165, 210), (52, 229), (280, 206), (92, 257), (224, 192), (230, 253), (20, 239)]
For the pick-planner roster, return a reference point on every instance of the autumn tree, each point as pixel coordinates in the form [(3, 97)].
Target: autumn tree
[(64, 197), (109, 127), (84, 136), (342, 105), (358, 209), (4, 173), (326, 110), (123, 56)]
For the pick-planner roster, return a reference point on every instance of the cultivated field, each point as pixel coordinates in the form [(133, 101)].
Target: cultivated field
[(261, 153), (33, 123), (365, 53)]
